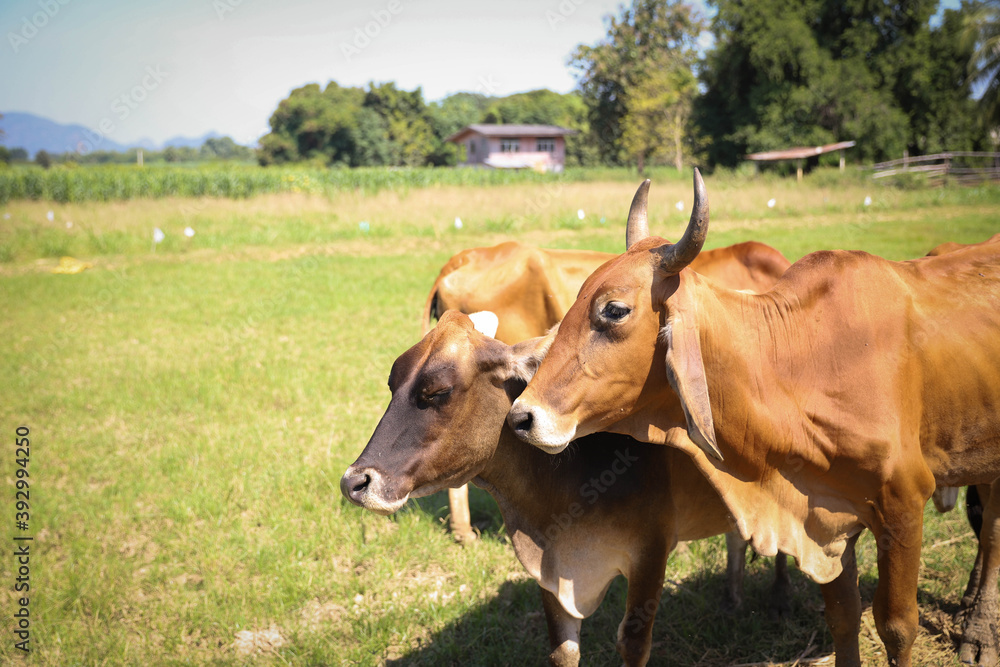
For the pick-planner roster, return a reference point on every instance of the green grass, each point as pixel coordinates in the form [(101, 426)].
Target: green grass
[(192, 409)]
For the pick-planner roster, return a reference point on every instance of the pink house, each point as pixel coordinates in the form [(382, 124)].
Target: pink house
[(540, 147)]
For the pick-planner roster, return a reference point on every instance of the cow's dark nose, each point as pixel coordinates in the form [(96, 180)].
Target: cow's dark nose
[(353, 485), (521, 421)]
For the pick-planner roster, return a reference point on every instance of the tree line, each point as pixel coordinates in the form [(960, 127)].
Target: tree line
[(213, 149), (777, 75), (381, 125)]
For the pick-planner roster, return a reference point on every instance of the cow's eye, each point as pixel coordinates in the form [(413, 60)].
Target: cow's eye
[(615, 311), (435, 395)]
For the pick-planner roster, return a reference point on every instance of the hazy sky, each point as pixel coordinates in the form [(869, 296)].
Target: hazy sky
[(162, 68)]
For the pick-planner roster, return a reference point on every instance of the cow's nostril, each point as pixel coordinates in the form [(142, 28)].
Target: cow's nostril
[(353, 486), (522, 422), (362, 483)]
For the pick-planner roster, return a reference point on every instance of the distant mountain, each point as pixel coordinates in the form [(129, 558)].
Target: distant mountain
[(34, 133), (191, 142)]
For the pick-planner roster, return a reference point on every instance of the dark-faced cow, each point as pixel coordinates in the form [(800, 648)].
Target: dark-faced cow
[(834, 402), (576, 520)]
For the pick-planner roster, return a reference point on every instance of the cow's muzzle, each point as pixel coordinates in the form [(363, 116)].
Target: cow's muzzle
[(537, 426), (367, 488)]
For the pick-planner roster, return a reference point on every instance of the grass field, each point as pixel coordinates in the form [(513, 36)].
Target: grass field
[(191, 409)]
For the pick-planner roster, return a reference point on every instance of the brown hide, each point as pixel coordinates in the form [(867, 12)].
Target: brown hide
[(946, 248)]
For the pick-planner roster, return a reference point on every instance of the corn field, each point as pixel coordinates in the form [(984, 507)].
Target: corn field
[(67, 184)]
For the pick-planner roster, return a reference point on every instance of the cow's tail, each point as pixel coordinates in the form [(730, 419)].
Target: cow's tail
[(430, 309)]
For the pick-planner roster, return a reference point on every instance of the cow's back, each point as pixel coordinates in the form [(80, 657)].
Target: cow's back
[(744, 266), (874, 350), (528, 288)]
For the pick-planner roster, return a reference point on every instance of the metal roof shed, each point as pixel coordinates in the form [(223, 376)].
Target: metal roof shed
[(800, 153)]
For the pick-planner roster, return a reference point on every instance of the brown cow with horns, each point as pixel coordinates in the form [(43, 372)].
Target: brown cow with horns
[(832, 403)]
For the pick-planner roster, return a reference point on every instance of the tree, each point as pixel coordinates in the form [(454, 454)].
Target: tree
[(935, 93), (373, 147), (659, 107), (817, 71), (313, 124), (648, 36), (456, 111), (982, 27), (43, 159), (224, 148), (406, 119)]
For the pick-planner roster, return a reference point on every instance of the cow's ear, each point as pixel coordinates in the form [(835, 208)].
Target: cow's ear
[(485, 323), (686, 373), (526, 356)]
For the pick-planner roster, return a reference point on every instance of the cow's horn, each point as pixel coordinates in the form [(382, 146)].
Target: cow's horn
[(675, 257), (637, 227)]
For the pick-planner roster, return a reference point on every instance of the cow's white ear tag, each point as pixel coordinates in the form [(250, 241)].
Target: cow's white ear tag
[(485, 322)]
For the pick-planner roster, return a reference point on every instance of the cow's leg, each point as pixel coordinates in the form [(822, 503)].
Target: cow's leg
[(898, 535), (564, 632), (780, 603), (736, 558), (461, 519), (979, 633), (843, 610), (976, 498), (645, 586)]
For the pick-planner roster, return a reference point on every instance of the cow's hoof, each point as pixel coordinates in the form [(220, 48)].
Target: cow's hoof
[(979, 643), (971, 653), (464, 536)]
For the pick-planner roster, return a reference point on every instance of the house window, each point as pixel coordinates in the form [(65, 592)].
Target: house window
[(510, 145), (472, 147), (546, 145)]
